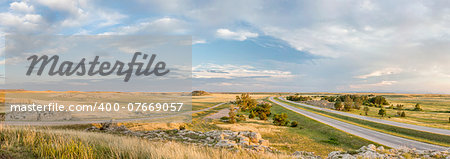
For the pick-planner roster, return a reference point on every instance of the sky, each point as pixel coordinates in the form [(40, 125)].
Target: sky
[(271, 46)]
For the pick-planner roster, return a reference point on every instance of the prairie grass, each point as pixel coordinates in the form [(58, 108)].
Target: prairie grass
[(28, 142)]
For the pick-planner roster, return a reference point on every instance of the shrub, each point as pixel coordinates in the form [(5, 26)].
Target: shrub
[(280, 119), (263, 108), (417, 107), (262, 116), (225, 118), (403, 114), (251, 115), (232, 114), (294, 124), (182, 127), (399, 107), (382, 112)]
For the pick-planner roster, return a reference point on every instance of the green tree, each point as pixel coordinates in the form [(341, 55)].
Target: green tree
[(338, 105), (348, 102), (366, 110), (382, 112), (245, 102), (358, 103), (379, 100)]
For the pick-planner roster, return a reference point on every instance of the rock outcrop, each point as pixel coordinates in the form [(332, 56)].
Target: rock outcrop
[(371, 151), (218, 138)]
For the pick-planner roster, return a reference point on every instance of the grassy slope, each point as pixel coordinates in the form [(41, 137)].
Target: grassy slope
[(402, 132), (47, 143), (321, 132)]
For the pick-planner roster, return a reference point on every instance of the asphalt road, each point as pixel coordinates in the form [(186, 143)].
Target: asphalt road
[(387, 122), (375, 136)]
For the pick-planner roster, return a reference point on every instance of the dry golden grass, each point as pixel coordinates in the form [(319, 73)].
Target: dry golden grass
[(46, 143), (225, 97)]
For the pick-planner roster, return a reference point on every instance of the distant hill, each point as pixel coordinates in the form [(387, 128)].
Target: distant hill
[(199, 93)]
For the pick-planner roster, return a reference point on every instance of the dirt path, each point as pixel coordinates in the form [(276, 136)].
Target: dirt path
[(218, 115)]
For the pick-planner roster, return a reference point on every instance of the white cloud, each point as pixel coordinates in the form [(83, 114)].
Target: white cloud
[(373, 85), (22, 23), (21, 7), (238, 35), (386, 71), (198, 42), (164, 25), (236, 71)]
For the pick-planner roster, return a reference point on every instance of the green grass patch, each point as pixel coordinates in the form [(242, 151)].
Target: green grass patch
[(320, 132)]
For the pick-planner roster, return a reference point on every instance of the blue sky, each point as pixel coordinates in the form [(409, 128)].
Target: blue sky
[(296, 46)]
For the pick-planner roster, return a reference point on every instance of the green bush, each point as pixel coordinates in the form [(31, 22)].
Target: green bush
[(280, 119), (294, 124), (262, 108)]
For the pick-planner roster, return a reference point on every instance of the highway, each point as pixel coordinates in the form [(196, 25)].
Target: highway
[(371, 135)]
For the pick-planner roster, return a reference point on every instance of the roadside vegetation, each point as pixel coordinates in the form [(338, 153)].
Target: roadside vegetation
[(403, 132)]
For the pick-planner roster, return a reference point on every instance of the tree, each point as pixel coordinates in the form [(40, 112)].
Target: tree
[(338, 105), (417, 107), (378, 100), (348, 102), (403, 114), (366, 110), (382, 112), (280, 119), (245, 102), (296, 97), (232, 114), (358, 103)]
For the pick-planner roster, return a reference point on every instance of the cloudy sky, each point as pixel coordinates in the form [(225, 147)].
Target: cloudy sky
[(295, 46)]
